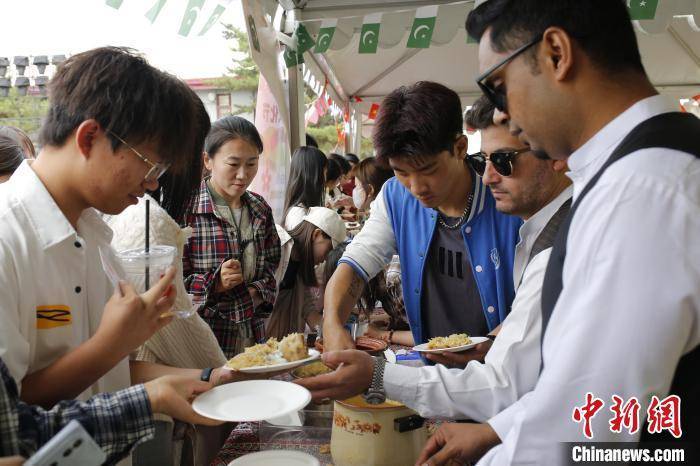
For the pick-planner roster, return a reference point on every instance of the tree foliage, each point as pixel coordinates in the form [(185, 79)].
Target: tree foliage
[(243, 73), (23, 111)]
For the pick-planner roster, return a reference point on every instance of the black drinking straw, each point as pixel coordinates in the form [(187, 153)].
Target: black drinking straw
[(148, 241)]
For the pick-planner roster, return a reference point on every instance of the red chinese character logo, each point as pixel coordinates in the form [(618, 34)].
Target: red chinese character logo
[(586, 412), (665, 415), (626, 416)]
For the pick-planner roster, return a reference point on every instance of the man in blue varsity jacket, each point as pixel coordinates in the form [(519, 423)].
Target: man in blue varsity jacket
[(456, 249)]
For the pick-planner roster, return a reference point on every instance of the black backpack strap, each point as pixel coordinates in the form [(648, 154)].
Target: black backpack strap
[(546, 238), (675, 131)]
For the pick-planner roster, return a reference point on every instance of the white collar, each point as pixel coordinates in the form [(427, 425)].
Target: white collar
[(46, 218), (534, 225), (585, 162)]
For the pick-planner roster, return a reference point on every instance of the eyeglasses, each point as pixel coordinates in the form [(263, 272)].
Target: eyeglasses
[(502, 161), (156, 170), (496, 95)]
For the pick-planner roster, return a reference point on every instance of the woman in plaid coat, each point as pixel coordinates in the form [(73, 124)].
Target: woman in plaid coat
[(230, 260)]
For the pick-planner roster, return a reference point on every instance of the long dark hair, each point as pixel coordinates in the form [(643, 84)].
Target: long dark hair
[(11, 155), (177, 190), (302, 235), (375, 290), (345, 166), (306, 179)]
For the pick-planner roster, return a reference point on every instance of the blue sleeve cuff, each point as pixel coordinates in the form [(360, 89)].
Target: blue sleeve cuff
[(356, 267)]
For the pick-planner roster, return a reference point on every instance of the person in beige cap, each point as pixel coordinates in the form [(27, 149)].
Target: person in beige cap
[(303, 247)]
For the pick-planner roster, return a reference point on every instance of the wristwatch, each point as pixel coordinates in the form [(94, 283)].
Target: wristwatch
[(375, 393), (206, 374)]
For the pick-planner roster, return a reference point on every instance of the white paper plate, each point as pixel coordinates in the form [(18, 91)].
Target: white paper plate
[(475, 341), (276, 458), (252, 400), (313, 355)]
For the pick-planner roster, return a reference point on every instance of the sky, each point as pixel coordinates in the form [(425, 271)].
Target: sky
[(53, 27)]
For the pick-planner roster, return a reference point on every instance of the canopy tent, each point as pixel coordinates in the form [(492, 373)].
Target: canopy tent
[(669, 43)]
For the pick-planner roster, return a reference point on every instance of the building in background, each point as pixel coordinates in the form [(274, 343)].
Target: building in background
[(220, 102)]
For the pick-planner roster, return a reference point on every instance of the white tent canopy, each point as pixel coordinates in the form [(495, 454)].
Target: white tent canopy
[(670, 47)]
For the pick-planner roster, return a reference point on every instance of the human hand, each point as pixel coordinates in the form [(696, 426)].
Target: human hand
[(462, 358), (12, 461), (336, 338), (129, 319), (230, 275), (173, 395), (352, 375), (461, 443)]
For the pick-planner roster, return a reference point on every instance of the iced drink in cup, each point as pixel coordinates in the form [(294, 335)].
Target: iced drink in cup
[(137, 264)]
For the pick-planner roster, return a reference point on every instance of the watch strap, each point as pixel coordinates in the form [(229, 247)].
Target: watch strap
[(206, 374)]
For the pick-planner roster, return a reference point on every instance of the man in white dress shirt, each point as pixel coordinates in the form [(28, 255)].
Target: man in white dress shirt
[(538, 191), (624, 319)]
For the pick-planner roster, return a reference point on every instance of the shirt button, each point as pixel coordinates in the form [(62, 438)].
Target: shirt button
[(468, 229), (491, 309), (420, 254), (478, 268), (77, 244), (416, 290), (77, 289)]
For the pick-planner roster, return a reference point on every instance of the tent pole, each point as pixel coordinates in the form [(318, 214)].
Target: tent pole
[(295, 92)]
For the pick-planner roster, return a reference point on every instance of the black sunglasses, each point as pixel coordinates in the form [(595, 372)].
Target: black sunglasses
[(502, 161), (496, 95)]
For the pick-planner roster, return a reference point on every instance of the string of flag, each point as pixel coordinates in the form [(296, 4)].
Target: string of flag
[(420, 36), (191, 15)]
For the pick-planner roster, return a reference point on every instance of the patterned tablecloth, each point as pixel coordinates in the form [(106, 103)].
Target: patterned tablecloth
[(250, 437)]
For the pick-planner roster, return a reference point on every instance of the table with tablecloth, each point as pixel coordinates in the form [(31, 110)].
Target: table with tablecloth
[(249, 437)]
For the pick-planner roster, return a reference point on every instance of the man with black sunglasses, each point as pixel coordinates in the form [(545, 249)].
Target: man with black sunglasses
[(621, 301)]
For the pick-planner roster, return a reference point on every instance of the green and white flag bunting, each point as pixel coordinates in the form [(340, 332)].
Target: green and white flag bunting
[(643, 9), (423, 27), (369, 36), (325, 35), (304, 40), (194, 7), (292, 58), (153, 13), (215, 15), (114, 3)]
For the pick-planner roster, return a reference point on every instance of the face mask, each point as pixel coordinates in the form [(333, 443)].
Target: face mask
[(358, 197)]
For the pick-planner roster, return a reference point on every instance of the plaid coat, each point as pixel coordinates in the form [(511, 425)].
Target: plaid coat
[(215, 241)]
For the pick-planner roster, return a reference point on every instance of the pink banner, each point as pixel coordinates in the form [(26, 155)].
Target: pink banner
[(271, 179)]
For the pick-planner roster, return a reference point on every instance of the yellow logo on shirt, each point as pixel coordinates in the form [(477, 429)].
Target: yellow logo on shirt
[(55, 315)]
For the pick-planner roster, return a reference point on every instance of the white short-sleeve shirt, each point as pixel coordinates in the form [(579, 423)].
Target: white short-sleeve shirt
[(52, 285)]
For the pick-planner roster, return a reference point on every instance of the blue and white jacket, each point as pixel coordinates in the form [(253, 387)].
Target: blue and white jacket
[(399, 224)]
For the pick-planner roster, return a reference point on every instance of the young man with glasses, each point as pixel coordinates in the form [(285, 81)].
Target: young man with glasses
[(114, 125), (456, 249), (536, 190), (621, 301)]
